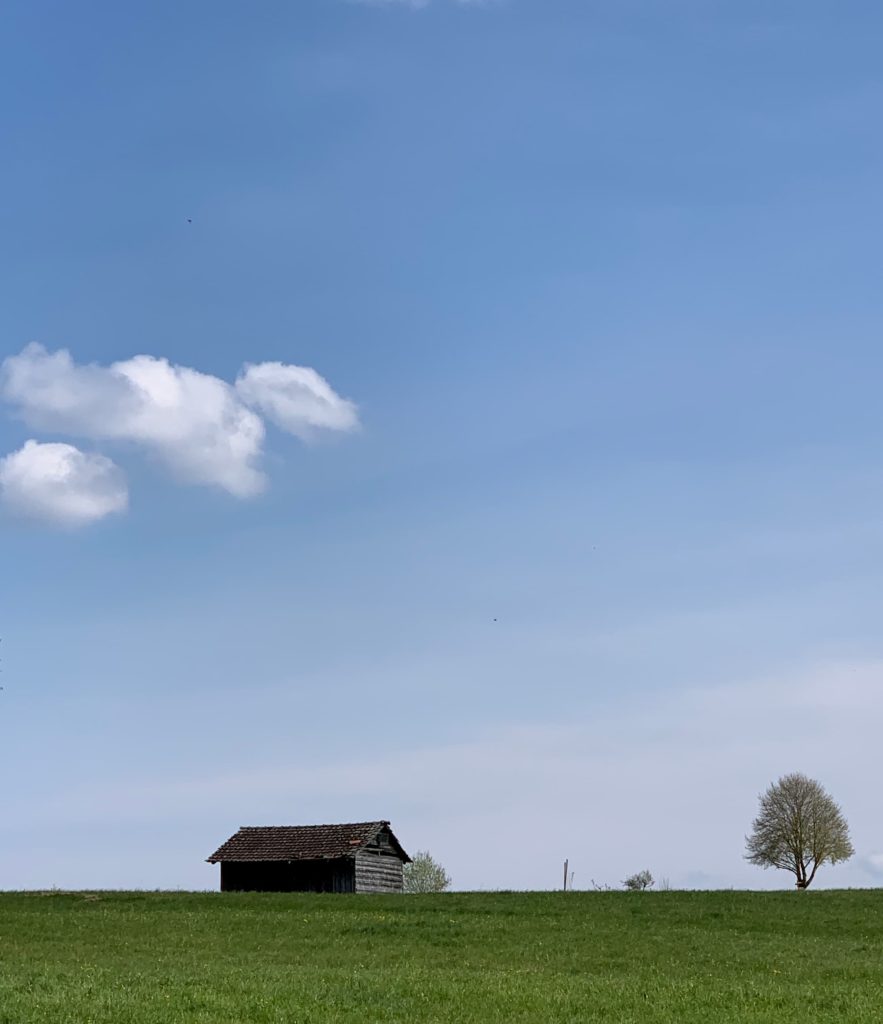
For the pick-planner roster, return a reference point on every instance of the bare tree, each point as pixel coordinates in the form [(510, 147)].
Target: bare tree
[(798, 827), (424, 874)]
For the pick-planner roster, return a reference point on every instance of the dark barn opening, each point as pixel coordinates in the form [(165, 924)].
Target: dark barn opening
[(361, 857), (289, 876)]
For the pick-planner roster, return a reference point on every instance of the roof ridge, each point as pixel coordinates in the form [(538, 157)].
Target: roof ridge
[(340, 824)]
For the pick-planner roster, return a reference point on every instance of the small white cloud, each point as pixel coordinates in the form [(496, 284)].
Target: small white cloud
[(57, 483), (873, 864), (295, 398)]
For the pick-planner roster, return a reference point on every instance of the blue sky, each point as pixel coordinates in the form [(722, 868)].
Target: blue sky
[(571, 540)]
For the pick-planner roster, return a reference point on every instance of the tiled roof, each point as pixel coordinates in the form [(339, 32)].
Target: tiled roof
[(301, 842)]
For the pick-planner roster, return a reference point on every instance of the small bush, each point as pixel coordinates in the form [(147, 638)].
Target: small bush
[(638, 882), (424, 874)]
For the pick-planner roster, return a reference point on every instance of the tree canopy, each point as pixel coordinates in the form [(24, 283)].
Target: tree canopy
[(798, 828)]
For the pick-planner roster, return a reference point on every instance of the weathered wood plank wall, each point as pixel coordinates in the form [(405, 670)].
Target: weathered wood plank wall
[(378, 871)]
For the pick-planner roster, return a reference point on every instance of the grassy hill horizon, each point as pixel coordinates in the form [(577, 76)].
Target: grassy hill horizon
[(99, 957)]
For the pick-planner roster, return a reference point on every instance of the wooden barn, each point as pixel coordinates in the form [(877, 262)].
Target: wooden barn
[(362, 857)]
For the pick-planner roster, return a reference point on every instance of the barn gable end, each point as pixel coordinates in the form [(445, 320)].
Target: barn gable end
[(379, 866)]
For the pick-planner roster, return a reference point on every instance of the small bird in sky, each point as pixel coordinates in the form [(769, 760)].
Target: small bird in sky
[(189, 221)]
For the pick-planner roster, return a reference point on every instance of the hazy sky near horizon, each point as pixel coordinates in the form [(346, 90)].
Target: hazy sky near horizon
[(465, 414)]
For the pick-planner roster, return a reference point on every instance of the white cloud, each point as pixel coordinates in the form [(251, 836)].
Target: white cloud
[(196, 424), (191, 421), (295, 398), (59, 484), (873, 864)]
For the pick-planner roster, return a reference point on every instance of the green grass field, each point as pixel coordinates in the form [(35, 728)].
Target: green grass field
[(134, 958)]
